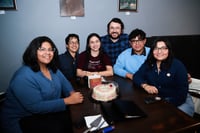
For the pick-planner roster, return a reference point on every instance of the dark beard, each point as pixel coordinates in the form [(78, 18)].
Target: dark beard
[(114, 38)]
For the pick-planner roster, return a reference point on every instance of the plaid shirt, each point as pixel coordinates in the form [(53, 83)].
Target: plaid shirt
[(113, 49)]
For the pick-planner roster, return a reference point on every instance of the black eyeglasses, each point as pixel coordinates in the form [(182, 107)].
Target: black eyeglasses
[(161, 48)]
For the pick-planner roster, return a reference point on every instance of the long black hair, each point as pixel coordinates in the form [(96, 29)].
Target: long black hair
[(165, 64), (30, 55)]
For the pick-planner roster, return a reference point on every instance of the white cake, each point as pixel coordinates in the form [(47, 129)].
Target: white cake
[(104, 92)]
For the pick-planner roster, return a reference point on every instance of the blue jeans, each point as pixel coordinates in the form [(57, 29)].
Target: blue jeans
[(188, 106)]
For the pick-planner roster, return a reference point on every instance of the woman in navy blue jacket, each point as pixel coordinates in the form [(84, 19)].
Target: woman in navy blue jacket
[(165, 76), (38, 93)]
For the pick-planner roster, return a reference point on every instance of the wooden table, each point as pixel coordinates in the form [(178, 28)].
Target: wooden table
[(161, 116)]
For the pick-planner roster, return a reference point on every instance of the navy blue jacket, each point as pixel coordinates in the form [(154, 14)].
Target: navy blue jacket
[(172, 84)]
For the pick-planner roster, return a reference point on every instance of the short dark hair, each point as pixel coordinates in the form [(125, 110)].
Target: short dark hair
[(30, 55), (116, 20), (137, 32), (71, 36)]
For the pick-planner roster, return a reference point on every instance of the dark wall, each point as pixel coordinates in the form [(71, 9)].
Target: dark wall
[(187, 49)]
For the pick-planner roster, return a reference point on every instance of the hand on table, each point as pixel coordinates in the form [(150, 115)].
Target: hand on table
[(74, 98), (150, 89)]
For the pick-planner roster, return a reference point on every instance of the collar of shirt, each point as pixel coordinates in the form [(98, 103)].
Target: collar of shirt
[(143, 53), (68, 54)]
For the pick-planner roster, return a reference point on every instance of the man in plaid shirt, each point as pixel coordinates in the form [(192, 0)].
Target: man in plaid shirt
[(115, 41)]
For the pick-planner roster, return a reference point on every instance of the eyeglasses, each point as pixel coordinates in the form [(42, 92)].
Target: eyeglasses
[(71, 42), (46, 50), (161, 48), (136, 41)]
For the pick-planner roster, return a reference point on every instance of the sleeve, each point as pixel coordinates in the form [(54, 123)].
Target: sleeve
[(81, 60), (27, 92), (181, 81), (66, 85), (119, 66), (106, 60), (62, 62), (139, 77)]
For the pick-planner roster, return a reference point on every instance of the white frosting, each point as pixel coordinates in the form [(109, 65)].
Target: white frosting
[(104, 92)]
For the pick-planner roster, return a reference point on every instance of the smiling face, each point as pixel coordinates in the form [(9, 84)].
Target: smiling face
[(137, 44), (94, 43), (45, 53), (115, 30), (73, 45), (160, 52)]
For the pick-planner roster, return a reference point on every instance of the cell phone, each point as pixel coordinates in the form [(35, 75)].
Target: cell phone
[(152, 99)]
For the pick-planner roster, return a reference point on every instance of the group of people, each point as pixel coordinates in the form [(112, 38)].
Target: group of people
[(40, 91)]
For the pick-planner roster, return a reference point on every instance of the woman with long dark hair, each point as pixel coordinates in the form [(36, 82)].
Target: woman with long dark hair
[(38, 93), (93, 60), (164, 75)]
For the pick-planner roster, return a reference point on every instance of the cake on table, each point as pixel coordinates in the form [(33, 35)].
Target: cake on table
[(104, 92)]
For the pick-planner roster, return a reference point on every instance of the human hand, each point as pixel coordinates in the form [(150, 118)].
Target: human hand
[(150, 89), (129, 76), (189, 78), (91, 73), (74, 98)]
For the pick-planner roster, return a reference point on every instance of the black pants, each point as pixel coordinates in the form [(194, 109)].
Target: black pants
[(59, 122)]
